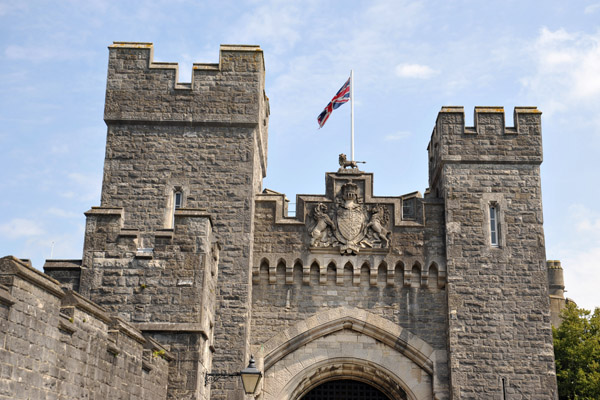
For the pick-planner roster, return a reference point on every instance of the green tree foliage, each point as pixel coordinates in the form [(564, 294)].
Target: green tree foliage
[(577, 353)]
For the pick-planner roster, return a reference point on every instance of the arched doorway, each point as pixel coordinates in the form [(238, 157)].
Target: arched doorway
[(369, 349), (345, 389)]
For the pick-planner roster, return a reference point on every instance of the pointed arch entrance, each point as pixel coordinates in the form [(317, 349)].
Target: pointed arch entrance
[(347, 344), (331, 372)]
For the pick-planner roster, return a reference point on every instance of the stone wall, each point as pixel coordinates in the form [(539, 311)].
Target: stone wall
[(56, 344), (403, 282), (499, 321)]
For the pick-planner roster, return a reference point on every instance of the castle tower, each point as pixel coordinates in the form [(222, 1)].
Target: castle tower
[(556, 284), (500, 341), (183, 163), (188, 268)]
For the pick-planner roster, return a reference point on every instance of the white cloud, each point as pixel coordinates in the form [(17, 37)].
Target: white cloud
[(16, 52), (592, 8), (582, 274), (88, 186), (41, 53), (62, 148), (579, 253), (20, 227), (566, 70), (6, 8), (276, 23), (397, 136), (417, 71), (586, 223), (64, 213)]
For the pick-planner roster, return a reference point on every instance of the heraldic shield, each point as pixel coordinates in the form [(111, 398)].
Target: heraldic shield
[(351, 223), (351, 218)]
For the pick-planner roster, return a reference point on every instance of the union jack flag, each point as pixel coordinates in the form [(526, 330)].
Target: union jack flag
[(341, 97)]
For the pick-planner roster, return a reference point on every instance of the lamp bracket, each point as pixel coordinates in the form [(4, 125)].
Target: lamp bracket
[(211, 377)]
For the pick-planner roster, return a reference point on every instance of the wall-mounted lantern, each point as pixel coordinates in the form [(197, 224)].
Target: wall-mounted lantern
[(250, 377)]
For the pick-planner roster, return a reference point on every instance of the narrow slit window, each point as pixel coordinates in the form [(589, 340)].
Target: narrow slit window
[(178, 200), (494, 225), (177, 204)]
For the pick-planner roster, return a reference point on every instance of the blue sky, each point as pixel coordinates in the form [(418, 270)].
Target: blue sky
[(409, 59)]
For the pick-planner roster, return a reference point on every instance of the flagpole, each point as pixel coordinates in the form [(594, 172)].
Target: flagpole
[(351, 115)]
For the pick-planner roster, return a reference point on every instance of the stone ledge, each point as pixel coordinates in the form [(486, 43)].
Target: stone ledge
[(112, 211), (5, 297), (207, 123), (193, 213), (154, 346), (65, 325), (52, 265), (118, 325), (171, 327), (74, 300), (129, 232), (12, 266)]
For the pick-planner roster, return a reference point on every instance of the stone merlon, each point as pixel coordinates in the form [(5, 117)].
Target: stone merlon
[(489, 141), (140, 89)]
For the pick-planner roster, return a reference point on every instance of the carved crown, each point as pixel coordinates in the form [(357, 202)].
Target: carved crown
[(350, 191)]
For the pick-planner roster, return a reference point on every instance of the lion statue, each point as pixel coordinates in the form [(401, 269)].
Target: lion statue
[(319, 232), (344, 163), (376, 225)]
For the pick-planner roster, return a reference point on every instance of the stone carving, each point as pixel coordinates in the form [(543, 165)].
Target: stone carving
[(351, 218), (376, 230), (320, 234), (350, 225), (344, 163)]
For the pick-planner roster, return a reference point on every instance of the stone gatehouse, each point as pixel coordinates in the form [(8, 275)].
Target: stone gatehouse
[(189, 267)]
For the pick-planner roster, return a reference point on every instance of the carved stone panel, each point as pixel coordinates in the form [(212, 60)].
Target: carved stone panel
[(348, 224)]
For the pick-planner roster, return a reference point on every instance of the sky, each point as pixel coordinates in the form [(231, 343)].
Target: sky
[(409, 59)]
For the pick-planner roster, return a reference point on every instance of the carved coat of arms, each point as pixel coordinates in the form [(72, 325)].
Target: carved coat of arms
[(349, 224), (351, 219)]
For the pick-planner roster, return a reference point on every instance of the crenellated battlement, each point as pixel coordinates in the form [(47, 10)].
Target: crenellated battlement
[(140, 89), (182, 261), (489, 120), (488, 141)]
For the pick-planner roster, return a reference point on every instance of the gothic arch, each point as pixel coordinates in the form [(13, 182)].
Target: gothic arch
[(441, 270), (291, 363), (347, 368)]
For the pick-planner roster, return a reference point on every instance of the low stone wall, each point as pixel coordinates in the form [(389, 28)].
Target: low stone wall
[(57, 344)]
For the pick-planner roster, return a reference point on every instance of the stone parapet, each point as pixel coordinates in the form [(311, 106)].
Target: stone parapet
[(228, 92), (57, 344), (147, 276), (488, 141), (67, 272)]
